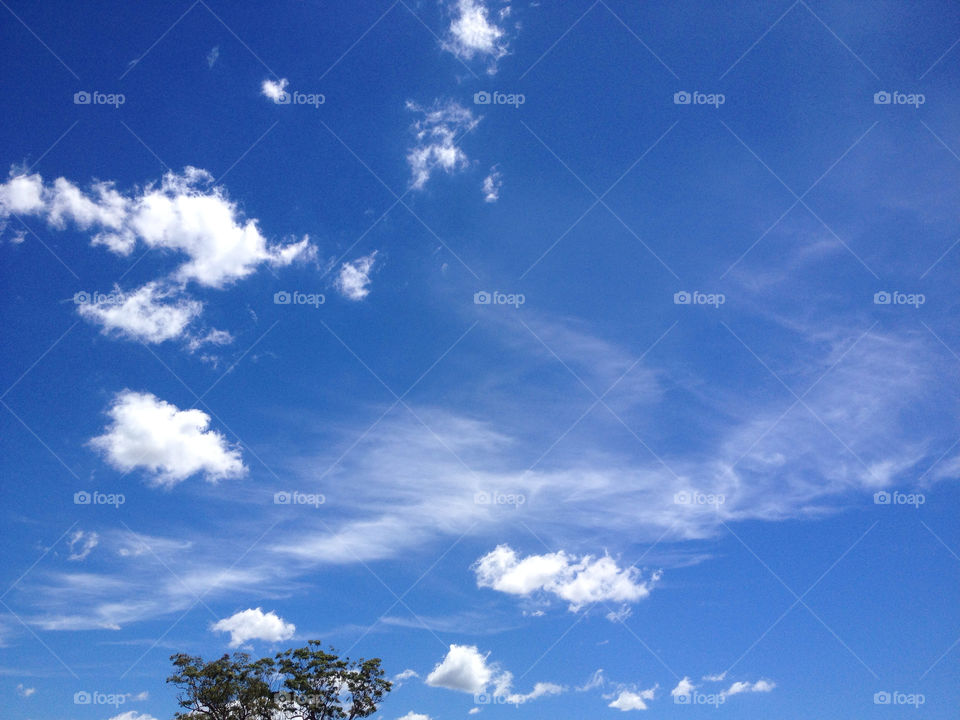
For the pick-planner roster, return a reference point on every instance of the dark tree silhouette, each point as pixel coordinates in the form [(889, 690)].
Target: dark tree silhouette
[(298, 684)]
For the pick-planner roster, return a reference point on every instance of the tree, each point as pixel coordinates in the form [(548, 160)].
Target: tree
[(230, 688), (316, 685), (319, 684)]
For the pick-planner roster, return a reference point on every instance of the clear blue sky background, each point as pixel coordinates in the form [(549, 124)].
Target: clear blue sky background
[(598, 399)]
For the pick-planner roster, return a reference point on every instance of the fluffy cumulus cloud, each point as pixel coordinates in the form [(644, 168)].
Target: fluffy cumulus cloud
[(274, 89), (186, 215), (683, 688), (579, 581), (466, 669), (472, 33), (25, 691), (172, 444), (152, 313), (632, 700), (437, 134), (492, 184), (254, 624), (133, 715), (353, 280), (415, 716)]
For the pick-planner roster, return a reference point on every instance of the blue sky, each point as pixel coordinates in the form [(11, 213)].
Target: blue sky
[(630, 391)]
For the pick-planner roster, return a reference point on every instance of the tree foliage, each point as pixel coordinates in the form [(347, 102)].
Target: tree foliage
[(304, 683)]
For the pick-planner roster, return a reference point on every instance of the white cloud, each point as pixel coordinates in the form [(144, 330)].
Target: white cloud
[(715, 678), (213, 337), (274, 89), (629, 700), (25, 691), (144, 315), (415, 716), (492, 184), (133, 715), (173, 444), (579, 581), (186, 214), (401, 677), (81, 544), (437, 134), (254, 624), (472, 34), (463, 669), (748, 687), (353, 280), (684, 687), (596, 680)]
